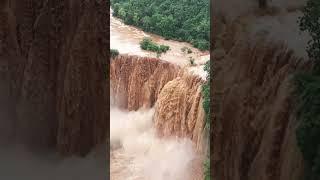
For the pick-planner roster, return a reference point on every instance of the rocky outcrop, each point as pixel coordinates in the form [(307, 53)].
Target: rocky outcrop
[(55, 57), (254, 122)]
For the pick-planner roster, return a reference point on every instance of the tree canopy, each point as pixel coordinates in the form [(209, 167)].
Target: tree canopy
[(183, 20), (308, 91), (149, 45), (310, 22)]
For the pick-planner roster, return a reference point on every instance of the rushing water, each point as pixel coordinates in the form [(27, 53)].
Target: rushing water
[(18, 162), (136, 152), (126, 40)]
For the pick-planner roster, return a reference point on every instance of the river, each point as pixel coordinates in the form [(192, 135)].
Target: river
[(126, 40), (136, 152)]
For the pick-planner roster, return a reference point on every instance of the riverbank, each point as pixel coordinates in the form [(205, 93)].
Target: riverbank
[(126, 40)]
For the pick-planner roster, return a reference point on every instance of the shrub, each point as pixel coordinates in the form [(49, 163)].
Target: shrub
[(179, 19), (206, 107), (308, 131), (163, 48), (201, 44), (308, 94), (114, 53), (310, 22), (207, 169), (206, 94), (158, 55), (191, 61), (148, 45)]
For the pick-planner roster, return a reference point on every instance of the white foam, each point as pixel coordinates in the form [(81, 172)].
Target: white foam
[(143, 155)]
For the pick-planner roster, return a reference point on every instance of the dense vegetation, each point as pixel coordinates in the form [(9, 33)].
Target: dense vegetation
[(114, 53), (149, 45), (184, 20), (206, 94), (308, 132), (308, 91), (206, 106), (207, 169), (310, 22)]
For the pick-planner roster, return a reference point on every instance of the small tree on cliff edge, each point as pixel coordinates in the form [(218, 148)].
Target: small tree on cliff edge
[(310, 22)]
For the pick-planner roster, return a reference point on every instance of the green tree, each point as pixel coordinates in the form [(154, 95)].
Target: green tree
[(146, 23), (207, 174), (149, 45), (114, 53), (186, 20), (206, 94), (310, 22), (116, 8), (206, 107), (308, 94), (121, 13)]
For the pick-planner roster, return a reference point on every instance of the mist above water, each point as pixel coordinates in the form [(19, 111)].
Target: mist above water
[(137, 152), (18, 163)]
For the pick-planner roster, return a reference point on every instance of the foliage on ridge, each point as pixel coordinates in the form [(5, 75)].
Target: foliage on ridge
[(206, 94), (308, 94), (206, 106), (184, 20)]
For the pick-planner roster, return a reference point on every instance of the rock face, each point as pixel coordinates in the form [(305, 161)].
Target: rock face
[(54, 54), (138, 82), (254, 130)]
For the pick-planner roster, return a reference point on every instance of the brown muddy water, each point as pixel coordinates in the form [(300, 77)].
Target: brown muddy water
[(138, 154), (136, 151), (126, 40)]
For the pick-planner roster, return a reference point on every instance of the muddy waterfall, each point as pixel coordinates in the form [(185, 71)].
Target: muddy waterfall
[(257, 53), (258, 91), (54, 94), (172, 98)]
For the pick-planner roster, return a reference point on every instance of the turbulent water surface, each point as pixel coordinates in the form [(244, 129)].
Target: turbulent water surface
[(18, 162), (126, 40), (137, 153)]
